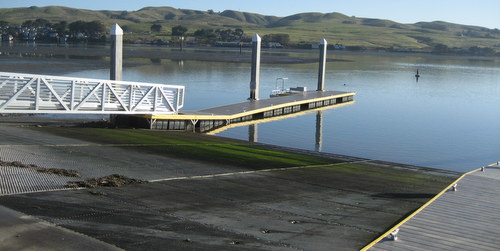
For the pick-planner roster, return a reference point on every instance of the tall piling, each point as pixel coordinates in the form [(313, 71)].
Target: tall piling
[(255, 74), (116, 61), (322, 64)]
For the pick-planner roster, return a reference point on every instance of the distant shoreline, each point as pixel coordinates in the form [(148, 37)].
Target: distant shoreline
[(60, 58), (212, 54)]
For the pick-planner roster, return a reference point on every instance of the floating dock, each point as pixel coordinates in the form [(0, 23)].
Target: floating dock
[(212, 118)]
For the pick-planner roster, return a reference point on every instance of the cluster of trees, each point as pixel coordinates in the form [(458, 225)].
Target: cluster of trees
[(43, 30), (472, 51), (283, 39), (178, 30), (211, 36), (221, 35), (92, 28)]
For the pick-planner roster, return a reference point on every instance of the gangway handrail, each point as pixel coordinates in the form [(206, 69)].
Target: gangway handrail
[(32, 93)]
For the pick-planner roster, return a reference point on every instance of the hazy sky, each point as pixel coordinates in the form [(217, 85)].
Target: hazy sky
[(479, 12)]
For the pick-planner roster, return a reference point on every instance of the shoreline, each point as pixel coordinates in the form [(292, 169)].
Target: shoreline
[(59, 59), (211, 54)]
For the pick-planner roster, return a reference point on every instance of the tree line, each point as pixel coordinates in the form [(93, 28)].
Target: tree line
[(211, 36), (42, 30), (93, 31)]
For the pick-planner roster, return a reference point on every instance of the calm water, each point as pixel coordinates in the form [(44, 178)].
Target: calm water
[(449, 119)]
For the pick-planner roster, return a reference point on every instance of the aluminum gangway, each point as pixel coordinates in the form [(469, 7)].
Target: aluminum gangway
[(29, 93)]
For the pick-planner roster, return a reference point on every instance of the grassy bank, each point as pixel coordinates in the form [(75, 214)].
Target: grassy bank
[(369, 175)]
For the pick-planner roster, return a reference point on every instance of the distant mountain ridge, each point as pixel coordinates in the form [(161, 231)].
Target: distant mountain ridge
[(302, 27)]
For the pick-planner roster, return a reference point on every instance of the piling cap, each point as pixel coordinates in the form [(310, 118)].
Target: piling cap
[(116, 30), (323, 42), (256, 38)]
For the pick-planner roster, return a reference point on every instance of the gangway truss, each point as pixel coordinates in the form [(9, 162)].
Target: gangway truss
[(29, 93)]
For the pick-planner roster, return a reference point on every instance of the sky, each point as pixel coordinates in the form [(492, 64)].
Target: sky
[(479, 12)]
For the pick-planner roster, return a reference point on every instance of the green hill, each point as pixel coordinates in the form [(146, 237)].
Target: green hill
[(51, 13), (302, 28)]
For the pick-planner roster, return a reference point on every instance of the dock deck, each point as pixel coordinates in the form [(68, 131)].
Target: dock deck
[(465, 219), (211, 118)]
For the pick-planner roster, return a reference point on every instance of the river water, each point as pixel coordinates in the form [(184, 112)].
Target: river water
[(449, 119)]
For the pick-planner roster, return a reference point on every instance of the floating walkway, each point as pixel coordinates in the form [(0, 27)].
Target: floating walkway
[(212, 118), (465, 216)]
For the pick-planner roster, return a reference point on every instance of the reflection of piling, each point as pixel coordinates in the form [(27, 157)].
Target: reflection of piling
[(182, 42), (253, 133), (319, 131), (322, 64), (116, 52), (255, 75)]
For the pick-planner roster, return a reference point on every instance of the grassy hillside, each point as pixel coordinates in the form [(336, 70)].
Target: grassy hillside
[(303, 27)]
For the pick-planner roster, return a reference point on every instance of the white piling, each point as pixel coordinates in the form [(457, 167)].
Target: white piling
[(116, 53), (322, 64), (255, 75)]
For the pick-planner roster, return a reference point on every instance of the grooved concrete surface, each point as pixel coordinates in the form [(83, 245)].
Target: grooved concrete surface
[(90, 160), (224, 208), (22, 232)]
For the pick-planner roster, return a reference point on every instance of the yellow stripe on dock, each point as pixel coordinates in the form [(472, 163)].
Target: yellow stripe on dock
[(247, 108), (251, 122)]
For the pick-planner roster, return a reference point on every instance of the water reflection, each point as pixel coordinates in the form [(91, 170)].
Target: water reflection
[(449, 119), (253, 133), (319, 131)]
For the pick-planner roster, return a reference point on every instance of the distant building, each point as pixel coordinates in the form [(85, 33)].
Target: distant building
[(7, 38), (274, 45), (29, 35), (232, 44), (339, 46)]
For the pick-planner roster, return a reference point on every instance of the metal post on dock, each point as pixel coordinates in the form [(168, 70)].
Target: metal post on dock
[(255, 77), (322, 64), (116, 53)]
